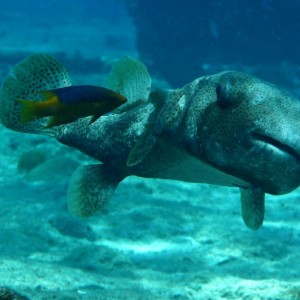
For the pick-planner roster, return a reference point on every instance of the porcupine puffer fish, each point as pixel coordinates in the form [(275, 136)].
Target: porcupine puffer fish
[(227, 129)]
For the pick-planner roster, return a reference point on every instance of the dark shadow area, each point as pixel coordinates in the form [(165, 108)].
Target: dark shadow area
[(187, 39)]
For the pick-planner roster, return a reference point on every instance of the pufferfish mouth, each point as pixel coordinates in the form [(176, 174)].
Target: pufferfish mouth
[(276, 145)]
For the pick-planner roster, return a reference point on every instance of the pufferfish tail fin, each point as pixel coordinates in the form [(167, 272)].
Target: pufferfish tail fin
[(130, 78), (90, 189), (36, 73)]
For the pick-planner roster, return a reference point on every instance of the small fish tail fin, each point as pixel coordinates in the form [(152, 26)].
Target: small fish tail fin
[(90, 189), (38, 72), (47, 95), (129, 78), (28, 111)]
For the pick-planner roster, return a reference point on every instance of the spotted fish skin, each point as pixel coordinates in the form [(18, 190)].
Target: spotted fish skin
[(228, 129), (231, 121)]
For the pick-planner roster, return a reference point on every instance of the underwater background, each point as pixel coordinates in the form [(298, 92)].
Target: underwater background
[(157, 239)]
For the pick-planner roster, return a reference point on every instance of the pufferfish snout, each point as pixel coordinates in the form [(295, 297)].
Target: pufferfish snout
[(249, 133)]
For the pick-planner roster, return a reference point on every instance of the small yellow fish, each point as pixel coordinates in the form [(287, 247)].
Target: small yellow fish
[(67, 104)]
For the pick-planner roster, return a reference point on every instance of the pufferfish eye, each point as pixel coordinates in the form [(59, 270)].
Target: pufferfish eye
[(225, 97)]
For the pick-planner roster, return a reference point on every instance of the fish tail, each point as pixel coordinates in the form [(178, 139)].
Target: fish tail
[(25, 81), (28, 111)]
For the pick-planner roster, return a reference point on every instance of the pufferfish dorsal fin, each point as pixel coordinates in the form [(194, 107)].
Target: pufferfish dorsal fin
[(90, 189), (130, 78), (253, 207)]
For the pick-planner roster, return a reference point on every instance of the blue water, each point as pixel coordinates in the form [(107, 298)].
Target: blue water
[(156, 239)]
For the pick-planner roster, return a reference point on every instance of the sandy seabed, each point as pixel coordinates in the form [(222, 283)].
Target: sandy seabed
[(157, 239)]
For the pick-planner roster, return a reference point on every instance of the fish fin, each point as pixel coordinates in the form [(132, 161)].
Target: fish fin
[(47, 95), (38, 72), (28, 111), (130, 78), (142, 147), (253, 207), (149, 137), (90, 189), (30, 108)]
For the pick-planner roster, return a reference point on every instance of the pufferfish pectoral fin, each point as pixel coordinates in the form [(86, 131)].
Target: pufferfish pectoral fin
[(253, 207), (90, 189), (142, 147)]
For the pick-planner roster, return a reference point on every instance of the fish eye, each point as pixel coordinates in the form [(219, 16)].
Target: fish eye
[(225, 97)]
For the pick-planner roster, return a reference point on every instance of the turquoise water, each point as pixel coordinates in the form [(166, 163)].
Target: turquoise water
[(157, 239)]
